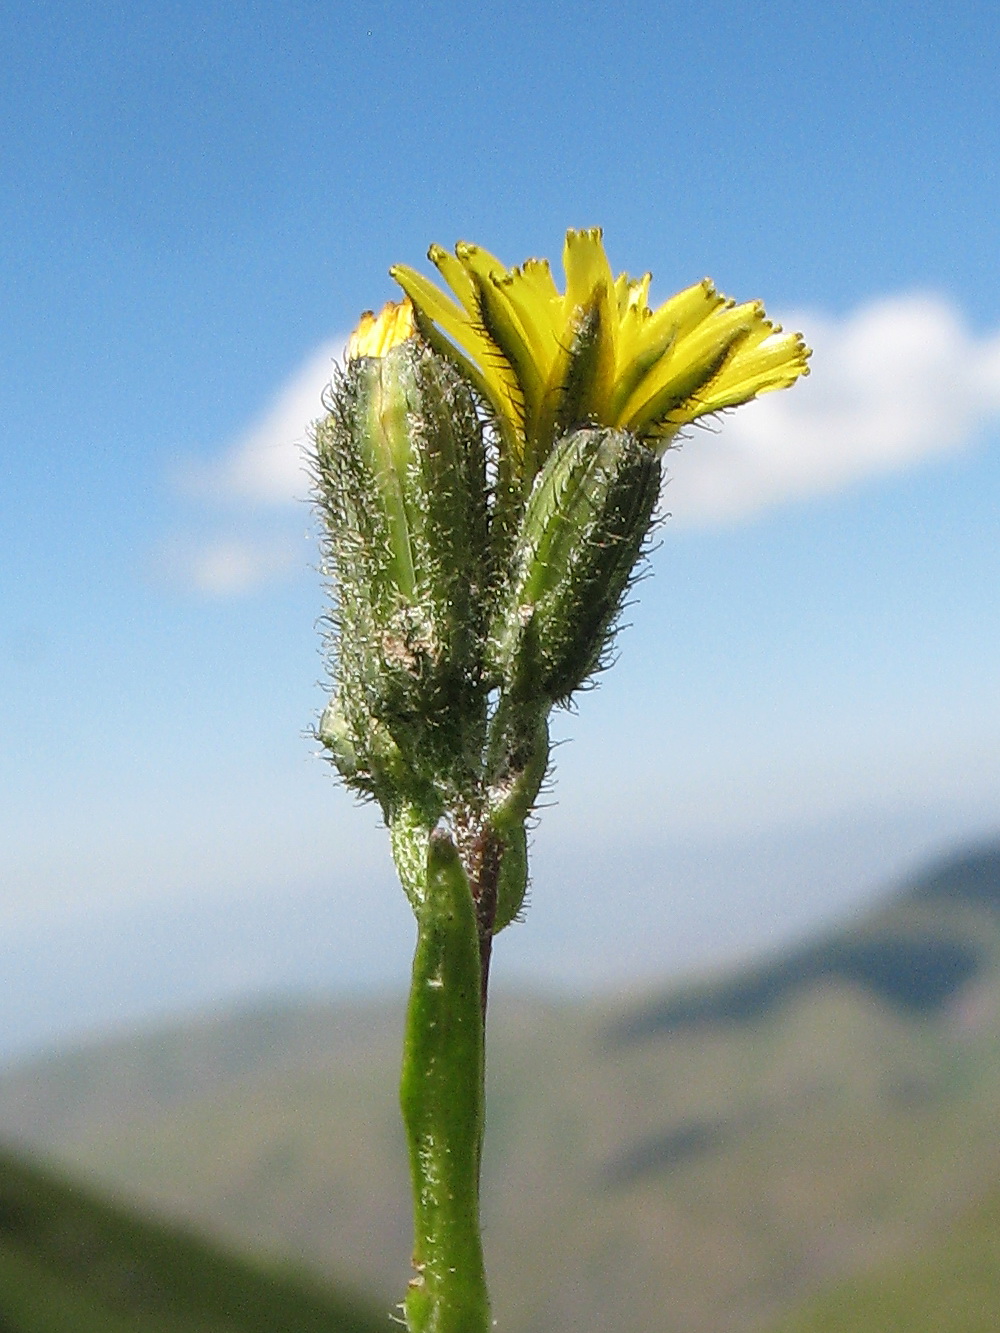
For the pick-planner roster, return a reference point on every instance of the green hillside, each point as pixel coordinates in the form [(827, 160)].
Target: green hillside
[(952, 1286), (72, 1263), (700, 1160)]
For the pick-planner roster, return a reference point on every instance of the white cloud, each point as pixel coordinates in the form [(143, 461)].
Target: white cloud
[(228, 566), (894, 382), (265, 464), (265, 467)]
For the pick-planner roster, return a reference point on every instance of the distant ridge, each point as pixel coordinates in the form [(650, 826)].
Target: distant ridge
[(914, 971), (973, 877)]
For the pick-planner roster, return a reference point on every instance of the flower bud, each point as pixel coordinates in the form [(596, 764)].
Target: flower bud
[(581, 535), (402, 486)]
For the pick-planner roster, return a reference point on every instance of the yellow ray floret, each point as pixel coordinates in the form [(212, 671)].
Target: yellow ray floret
[(378, 334), (598, 352)]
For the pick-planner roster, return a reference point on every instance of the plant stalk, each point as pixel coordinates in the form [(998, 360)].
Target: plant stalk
[(442, 1095)]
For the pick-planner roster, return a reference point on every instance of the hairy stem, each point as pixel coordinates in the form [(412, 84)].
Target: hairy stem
[(442, 1099)]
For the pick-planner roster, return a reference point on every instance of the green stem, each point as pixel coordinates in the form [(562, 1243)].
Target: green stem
[(442, 1099)]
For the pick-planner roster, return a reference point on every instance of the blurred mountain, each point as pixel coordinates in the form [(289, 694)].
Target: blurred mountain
[(699, 1160), (907, 962), (72, 1262)]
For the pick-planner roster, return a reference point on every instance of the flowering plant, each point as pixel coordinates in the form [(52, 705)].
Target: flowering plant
[(487, 476)]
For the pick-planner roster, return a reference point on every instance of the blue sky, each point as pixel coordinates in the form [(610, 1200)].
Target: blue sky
[(198, 201)]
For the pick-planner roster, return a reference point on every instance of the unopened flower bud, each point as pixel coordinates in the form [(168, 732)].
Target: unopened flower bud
[(402, 480), (581, 535)]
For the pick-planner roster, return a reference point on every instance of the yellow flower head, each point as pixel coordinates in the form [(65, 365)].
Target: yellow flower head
[(548, 360), (378, 334)]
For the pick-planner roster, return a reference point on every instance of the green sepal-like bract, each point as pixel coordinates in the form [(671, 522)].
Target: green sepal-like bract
[(582, 532), (512, 881), (410, 831)]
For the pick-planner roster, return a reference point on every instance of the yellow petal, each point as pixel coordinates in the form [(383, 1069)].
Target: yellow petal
[(647, 336), (638, 291), (589, 279), (455, 274), (590, 288), (488, 371), (500, 321), (586, 266), (632, 295), (378, 334), (537, 274), (678, 398), (677, 318), (433, 302), (775, 363), (682, 341), (532, 293)]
